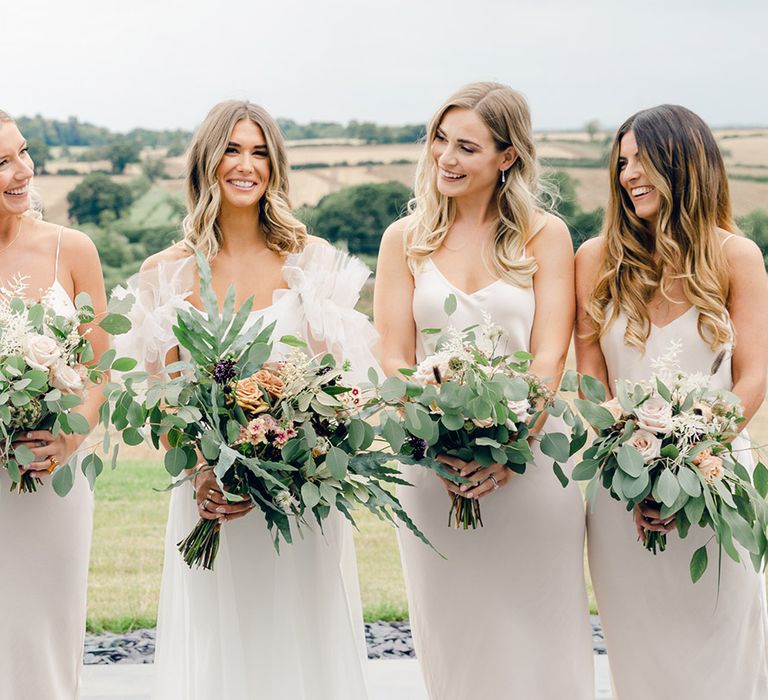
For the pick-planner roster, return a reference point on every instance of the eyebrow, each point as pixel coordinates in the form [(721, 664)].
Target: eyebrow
[(476, 145), (237, 145), (21, 148)]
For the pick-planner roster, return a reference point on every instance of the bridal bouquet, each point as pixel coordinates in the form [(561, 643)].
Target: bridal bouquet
[(45, 365), (285, 435), (668, 440), (471, 400)]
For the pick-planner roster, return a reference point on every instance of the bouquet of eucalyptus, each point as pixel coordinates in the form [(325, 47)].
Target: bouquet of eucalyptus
[(286, 435), (668, 440), (472, 400), (45, 366)]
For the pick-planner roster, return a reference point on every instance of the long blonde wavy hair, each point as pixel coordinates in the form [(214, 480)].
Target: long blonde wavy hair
[(283, 232), (682, 161), (518, 206), (35, 210)]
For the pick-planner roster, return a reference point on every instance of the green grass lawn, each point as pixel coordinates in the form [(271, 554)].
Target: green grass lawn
[(127, 554)]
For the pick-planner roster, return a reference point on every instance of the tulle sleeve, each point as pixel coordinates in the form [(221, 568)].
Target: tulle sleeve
[(328, 282), (158, 293)]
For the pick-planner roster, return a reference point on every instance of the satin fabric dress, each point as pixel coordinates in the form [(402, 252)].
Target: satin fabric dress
[(668, 638), (45, 542), (505, 614)]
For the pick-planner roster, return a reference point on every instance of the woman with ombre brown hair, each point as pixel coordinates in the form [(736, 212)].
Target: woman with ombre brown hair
[(670, 267)]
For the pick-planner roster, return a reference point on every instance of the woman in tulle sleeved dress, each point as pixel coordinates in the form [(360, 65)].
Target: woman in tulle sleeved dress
[(504, 614), (261, 625), (670, 269), (45, 539)]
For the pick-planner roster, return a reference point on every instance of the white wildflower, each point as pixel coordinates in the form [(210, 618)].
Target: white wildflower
[(286, 502)]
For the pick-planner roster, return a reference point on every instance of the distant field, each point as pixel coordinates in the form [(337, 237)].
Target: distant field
[(746, 153)]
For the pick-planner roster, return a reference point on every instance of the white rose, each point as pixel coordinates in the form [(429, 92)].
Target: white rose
[(65, 378), (41, 352), (647, 444), (655, 415), (519, 408)]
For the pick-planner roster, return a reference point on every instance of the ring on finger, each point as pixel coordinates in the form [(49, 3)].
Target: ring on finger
[(204, 504), (495, 483)]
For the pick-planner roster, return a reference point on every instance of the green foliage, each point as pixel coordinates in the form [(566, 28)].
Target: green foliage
[(358, 214), (366, 131), (120, 153), (98, 193), (583, 225), (755, 225), (39, 152)]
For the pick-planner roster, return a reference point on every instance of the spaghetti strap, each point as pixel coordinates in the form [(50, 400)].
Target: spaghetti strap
[(726, 239), (58, 248)]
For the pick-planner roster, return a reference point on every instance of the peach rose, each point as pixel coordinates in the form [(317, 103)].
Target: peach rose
[(646, 443), (710, 466), (249, 395), (271, 382), (484, 423)]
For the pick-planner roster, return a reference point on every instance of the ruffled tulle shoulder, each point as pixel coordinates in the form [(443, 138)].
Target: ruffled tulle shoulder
[(328, 282), (159, 292)]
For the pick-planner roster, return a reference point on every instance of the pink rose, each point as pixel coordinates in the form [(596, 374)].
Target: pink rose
[(484, 423), (65, 378), (519, 408), (646, 443)]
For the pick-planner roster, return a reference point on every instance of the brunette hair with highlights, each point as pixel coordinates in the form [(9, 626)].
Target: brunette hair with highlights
[(682, 161)]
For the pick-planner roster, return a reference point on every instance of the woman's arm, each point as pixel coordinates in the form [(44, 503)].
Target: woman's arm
[(589, 356), (748, 307), (393, 302)]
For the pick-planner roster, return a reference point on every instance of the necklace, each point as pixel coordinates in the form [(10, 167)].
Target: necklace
[(18, 233)]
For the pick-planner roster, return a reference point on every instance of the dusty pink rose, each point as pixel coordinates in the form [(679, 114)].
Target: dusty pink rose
[(65, 378), (483, 423), (655, 415), (646, 443)]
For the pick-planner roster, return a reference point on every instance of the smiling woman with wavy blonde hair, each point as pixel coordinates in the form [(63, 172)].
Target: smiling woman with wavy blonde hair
[(283, 232), (670, 273), (232, 632), (477, 231)]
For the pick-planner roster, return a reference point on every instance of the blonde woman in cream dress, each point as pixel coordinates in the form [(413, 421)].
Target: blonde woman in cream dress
[(669, 269), (261, 625), (45, 539), (504, 615)]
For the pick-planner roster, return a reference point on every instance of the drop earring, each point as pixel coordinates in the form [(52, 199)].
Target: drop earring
[(503, 176)]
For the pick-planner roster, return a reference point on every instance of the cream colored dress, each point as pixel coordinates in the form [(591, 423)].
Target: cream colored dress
[(667, 638), (262, 625), (504, 615), (45, 542)]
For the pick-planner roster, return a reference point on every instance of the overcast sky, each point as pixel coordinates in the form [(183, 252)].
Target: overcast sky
[(164, 63)]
